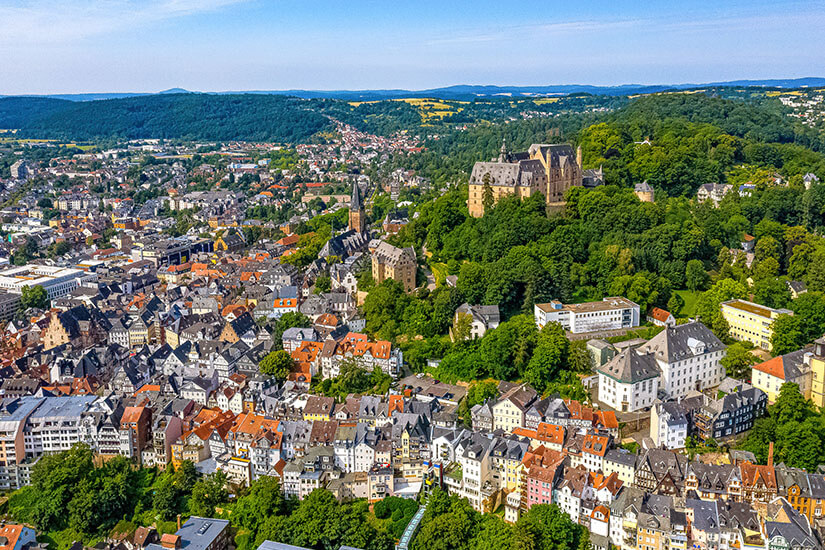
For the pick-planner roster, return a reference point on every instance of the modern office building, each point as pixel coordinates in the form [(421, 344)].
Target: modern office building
[(609, 314), (58, 281)]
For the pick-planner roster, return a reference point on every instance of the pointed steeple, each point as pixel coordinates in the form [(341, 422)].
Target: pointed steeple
[(357, 216), (355, 201), (502, 157)]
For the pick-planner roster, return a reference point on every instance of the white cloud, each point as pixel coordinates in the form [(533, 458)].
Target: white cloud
[(52, 22)]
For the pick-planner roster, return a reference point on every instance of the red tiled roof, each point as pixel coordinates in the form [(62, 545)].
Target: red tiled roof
[(774, 367), (659, 314)]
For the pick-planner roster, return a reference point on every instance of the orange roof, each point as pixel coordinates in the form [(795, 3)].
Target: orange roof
[(602, 509), (307, 351), (659, 314), (550, 433), (279, 467), (327, 320), (179, 268), (579, 411), (396, 403), (595, 444), (752, 473), (211, 419), (131, 415), (358, 344), (542, 456), (237, 309), (138, 300), (524, 432), (207, 415), (289, 240), (610, 482), (251, 424), (148, 387), (774, 367), (11, 533), (301, 372), (606, 419)]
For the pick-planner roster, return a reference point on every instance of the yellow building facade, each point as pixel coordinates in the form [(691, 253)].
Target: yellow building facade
[(818, 373), (547, 169), (750, 322)]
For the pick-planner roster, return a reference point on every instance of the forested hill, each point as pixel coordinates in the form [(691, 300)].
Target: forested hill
[(251, 117), (465, 131), (169, 116)]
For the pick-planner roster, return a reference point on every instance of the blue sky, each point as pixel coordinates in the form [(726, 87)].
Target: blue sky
[(68, 46)]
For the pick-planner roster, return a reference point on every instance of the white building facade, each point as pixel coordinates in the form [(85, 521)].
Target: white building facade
[(609, 314)]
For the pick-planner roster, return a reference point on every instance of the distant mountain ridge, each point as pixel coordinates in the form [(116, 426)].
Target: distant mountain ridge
[(467, 91)]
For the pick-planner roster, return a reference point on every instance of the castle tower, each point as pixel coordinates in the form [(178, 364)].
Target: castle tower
[(357, 216)]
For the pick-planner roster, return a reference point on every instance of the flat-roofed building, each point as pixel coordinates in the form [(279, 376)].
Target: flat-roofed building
[(56, 424), (751, 322), (13, 415), (609, 314), (57, 281), (10, 304)]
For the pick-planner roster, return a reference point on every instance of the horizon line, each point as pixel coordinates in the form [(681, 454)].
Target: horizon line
[(176, 89)]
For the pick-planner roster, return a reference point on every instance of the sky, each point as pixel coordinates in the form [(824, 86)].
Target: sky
[(81, 46)]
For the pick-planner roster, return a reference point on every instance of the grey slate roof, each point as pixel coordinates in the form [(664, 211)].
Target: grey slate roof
[(629, 367), (682, 342)]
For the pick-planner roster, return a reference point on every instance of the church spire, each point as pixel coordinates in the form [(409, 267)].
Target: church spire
[(355, 201), (357, 216), (502, 157)]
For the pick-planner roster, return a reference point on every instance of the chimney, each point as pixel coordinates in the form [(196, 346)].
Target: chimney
[(179, 514), (770, 454), (579, 156), (170, 541)]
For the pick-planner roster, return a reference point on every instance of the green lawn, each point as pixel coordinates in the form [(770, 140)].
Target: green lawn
[(690, 299)]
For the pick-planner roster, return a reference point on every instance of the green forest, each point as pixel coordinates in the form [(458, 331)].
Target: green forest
[(167, 116), (693, 139), (247, 117), (455, 132), (607, 243)]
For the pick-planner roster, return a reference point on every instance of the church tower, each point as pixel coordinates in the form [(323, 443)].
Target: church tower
[(357, 216)]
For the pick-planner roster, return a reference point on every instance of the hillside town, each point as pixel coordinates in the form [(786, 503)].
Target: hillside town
[(171, 310)]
